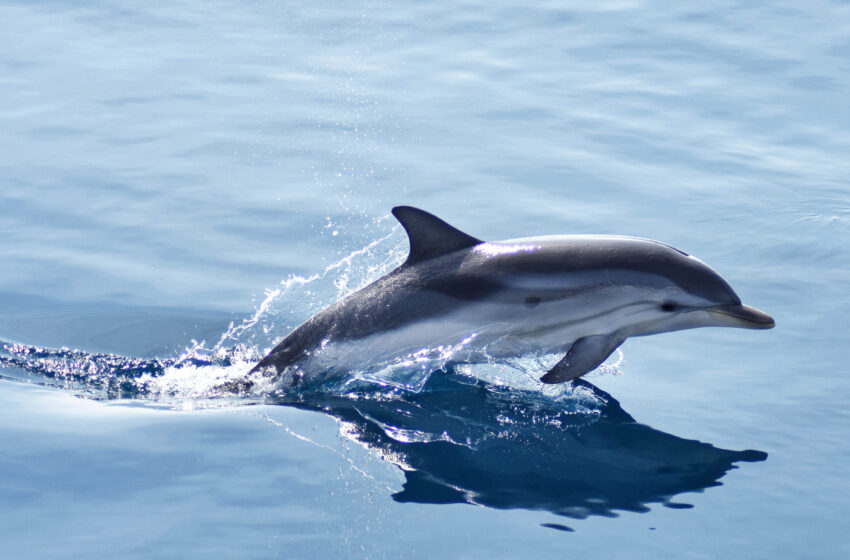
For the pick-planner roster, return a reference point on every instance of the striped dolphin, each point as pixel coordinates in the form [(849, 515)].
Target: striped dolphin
[(468, 300)]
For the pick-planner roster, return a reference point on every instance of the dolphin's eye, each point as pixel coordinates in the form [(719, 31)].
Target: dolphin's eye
[(669, 306)]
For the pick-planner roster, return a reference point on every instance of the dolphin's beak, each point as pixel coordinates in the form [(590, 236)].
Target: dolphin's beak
[(742, 316)]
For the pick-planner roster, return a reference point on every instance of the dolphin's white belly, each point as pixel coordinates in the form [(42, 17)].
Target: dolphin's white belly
[(476, 333)]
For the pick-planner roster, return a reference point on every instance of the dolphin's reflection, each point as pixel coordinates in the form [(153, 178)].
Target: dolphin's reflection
[(460, 441)]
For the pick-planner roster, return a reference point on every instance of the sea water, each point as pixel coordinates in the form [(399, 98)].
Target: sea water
[(182, 184)]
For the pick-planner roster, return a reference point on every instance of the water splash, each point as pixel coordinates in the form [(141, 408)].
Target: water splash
[(200, 374), (94, 375), (298, 298)]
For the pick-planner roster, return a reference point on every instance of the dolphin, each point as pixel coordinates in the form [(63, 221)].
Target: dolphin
[(462, 299)]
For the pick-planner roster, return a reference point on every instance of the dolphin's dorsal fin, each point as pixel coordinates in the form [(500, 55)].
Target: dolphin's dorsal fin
[(429, 236)]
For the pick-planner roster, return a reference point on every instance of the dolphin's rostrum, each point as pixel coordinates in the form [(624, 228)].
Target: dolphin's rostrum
[(469, 300)]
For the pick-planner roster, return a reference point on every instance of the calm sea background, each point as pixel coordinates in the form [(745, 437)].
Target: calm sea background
[(163, 169)]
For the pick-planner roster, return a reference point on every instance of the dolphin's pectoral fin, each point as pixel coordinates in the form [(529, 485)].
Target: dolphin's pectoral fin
[(585, 355), (430, 236)]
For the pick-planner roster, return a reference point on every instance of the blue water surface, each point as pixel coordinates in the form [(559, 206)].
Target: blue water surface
[(181, 184)]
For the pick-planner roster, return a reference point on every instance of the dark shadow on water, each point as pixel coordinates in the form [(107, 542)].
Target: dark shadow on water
[(462, 441)]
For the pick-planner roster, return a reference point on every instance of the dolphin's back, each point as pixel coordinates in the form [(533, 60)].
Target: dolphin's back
[(618, 256)]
